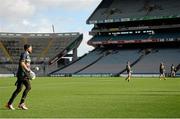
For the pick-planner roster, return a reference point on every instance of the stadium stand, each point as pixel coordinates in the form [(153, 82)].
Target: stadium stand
[(121, 37), (112, 63), (144, 32), (167, 56), (46, 46), (131, 10), (82, 63), (136, 36)]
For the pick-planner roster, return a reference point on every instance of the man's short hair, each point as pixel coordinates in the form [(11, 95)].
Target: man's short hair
[(26, 46)]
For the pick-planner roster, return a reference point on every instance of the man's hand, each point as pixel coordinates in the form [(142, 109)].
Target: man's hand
[(25, 67)]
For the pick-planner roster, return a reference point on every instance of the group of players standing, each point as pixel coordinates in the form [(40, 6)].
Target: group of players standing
[(161, 71)]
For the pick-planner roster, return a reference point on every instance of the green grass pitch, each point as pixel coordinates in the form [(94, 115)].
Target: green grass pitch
[(95, 98)]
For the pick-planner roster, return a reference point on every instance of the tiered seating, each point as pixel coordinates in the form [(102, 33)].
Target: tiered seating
[(58, 45), (85, 61), (113, 63), (121, 37), (8, 68), (4, 70), (136, 37), (12, 47), (45, 46), (150, 63), (117, 9), (167, 35)]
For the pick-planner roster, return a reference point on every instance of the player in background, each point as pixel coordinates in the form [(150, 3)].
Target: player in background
[(128, 69), (162, 71), (22, 78), (173, 71)]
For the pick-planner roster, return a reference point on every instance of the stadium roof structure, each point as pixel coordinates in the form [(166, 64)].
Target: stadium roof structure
[(110, 11), (46, 46)]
